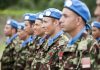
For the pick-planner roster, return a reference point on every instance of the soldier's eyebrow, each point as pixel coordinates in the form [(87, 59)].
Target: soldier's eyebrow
[(64, 15)]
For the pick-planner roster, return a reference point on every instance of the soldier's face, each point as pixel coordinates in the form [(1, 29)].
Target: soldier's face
[(38, 30), (28, 27), (48, 25), (22, 34), (95, 32), (97, 10), (68, 20), (8, 30)]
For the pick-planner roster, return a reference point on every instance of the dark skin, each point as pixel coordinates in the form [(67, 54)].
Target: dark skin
[(51, 26), (22, 34), (28, 27), (9, 30), (96, 32), (67, 24), (38, 30), (48, 25)]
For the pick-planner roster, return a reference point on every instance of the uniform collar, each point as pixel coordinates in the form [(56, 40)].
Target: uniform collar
[(76, 38), (41, 41), (8, 41), (52, 40), (24, 44), (98, 39)]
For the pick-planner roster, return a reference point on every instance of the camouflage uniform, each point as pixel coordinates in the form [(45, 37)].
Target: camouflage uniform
[(16, 52), (38, 53), (50, 57), (7, 60), (98, 54), (32, 53), (23, 54), (17, 49), (96, 27), (80, 55)]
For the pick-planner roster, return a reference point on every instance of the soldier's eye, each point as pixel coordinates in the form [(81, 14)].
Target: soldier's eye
[(65, 15)]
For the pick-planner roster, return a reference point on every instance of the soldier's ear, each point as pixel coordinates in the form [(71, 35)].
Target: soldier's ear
[(13, 30), (78, 20), (56, 22)]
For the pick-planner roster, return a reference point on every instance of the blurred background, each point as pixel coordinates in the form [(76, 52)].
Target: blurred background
[(16, 8)]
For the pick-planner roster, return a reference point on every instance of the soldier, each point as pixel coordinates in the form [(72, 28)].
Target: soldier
[(18, 48), (96, 35), (79, 52), (21, 55), (50, 58), (97, 14), (96, 30), (39, 44), (97, 10), (29, 24), (27, 44), (10, 30)]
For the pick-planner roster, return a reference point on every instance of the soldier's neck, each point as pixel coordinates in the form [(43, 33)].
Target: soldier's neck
[(12, 34), (42, 35), (56, 31), (74, 32), (26, 37)]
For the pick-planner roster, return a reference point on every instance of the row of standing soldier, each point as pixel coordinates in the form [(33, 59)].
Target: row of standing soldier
[(53, 40)]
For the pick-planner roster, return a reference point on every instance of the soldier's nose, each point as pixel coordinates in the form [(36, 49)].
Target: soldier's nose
[(43, 26)]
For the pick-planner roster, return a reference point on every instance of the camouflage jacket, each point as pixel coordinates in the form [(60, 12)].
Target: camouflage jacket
[(50, 57), (7, 60), (24, 53), (38, 53), (97, 44), (80, 55), (33, 49)]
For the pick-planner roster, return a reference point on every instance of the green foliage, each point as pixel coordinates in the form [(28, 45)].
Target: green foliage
[(16, 12), (2, 45), (91, 4), (7, 3), (56, 4), (39, 4)]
